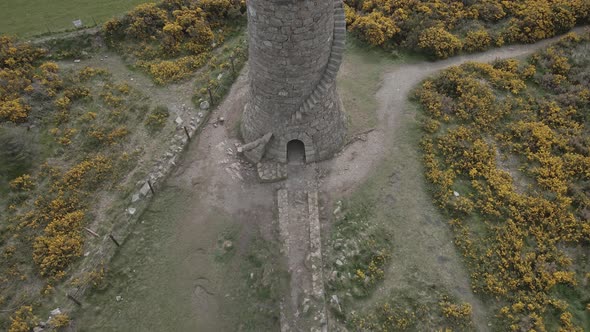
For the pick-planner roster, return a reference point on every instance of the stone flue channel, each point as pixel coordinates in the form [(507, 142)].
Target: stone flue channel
[(303, 306)]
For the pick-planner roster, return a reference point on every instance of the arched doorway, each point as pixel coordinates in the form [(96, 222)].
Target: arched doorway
[(295, 152)]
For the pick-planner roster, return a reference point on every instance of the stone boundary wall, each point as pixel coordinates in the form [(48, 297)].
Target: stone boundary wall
[(103, 252)]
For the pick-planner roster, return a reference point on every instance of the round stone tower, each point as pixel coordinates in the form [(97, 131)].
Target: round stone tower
[(295, 51)]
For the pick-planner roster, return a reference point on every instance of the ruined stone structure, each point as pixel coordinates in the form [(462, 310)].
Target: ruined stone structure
[(295, 53)]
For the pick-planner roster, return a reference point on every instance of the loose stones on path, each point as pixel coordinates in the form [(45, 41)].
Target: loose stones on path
[(271, 171)]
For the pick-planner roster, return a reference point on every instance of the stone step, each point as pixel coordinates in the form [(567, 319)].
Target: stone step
[(334, 61), (317, 93), (271, 172), (338, 43)]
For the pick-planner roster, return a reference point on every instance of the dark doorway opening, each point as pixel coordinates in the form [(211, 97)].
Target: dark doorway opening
[(296, 152)]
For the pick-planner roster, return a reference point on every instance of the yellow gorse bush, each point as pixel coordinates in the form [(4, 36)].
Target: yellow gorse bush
[(439, 42), (532, 212), (436, 26), (17, 74), (171, 39), (23, 320)]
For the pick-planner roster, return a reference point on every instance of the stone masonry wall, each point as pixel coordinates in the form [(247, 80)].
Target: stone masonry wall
[(295, 52)]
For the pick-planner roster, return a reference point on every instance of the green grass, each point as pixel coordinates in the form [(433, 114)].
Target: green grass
[(25, 18), (423, 264), (359, 79)]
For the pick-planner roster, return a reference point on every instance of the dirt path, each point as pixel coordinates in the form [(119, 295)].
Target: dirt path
[(67, 34), (393, 99)]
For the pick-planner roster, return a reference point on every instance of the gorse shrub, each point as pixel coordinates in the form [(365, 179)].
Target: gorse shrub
[(516, 150), (171, 39), (18, 63), (436, 26)]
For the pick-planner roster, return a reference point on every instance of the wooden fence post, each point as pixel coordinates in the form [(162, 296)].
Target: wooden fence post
[(210, 96), (188, 136), (74, 299), (151, 187), (114, 240)]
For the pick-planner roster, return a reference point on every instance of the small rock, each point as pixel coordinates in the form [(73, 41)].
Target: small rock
[(38, 329), (204, 106), (305, 308), (456, 194), (228, 245), (200, 114), (145, 189), (54, 312), (86, 254), (240, 149), (131, 79), (131, 210), (178, 121), (220, 76), (339, 262), (118, 298), (337, 210), (77, 61), (134, 198), (221, 120), (335, 299)]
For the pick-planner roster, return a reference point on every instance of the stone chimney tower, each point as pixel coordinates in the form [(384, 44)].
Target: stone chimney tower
[(295, 51)]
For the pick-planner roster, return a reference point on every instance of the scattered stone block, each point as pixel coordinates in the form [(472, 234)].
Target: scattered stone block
[(271, 172), (145, 189), (134, 198)]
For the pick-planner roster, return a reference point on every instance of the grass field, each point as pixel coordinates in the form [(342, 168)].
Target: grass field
[(25, 18)]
